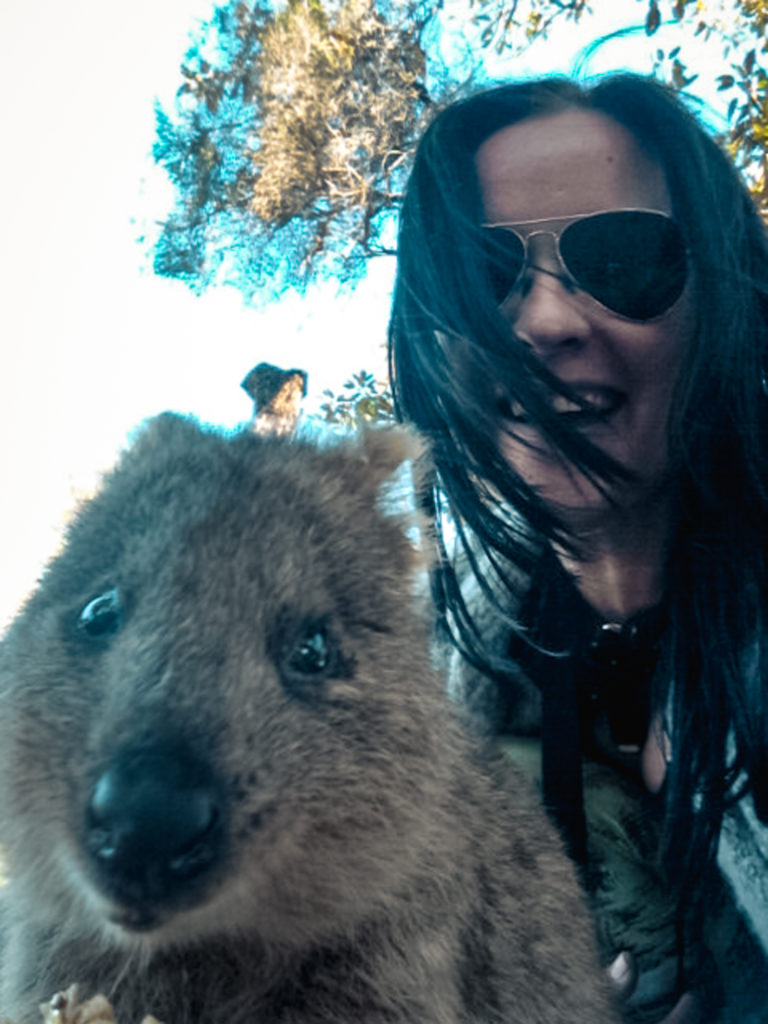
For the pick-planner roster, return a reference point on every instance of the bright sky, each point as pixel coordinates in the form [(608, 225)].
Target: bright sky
[(92, 342)]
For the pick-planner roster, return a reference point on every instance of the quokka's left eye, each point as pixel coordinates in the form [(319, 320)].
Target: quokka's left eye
[(102, 614), (306, 653), (312, 653)]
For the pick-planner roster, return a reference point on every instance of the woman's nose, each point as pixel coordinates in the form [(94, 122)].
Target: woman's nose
[(545, 312)]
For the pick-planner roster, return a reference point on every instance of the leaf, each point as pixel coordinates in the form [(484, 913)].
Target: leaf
[(653, 18), (680, 79), (725, 82)]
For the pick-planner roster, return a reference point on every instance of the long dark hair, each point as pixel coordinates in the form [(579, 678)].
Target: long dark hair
[(448, 340)]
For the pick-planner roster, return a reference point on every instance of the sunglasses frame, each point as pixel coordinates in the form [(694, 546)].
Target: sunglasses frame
[(533, 231)]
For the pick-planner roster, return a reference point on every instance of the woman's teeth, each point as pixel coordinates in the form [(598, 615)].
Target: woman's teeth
[(562, 404), (599, 404)]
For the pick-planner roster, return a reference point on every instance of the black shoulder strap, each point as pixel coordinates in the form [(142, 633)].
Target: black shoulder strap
[(556, 620)]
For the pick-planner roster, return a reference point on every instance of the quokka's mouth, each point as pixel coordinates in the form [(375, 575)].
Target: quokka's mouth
[(135, 919)]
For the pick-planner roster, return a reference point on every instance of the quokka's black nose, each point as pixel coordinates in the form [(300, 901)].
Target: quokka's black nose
[(153, 824)]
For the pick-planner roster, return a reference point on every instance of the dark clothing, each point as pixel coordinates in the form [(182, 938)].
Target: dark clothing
[(594, 673), (596, 681)]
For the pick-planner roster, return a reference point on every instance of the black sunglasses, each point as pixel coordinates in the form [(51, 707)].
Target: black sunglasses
[(633, 262)]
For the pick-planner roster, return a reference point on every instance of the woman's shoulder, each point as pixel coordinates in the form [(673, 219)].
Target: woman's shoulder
[(742, 856), (742, 852), (487, 591)]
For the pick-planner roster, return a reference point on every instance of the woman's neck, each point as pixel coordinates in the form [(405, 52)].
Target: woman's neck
[(622, 560)]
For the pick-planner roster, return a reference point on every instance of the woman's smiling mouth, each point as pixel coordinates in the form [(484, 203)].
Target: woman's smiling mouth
[(597, 404)]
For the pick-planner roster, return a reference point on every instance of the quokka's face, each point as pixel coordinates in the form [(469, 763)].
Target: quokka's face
[(215, 714)]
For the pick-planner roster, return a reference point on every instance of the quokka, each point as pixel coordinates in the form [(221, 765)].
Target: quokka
[(231, 786)]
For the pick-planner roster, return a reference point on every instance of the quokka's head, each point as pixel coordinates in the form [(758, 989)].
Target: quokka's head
[(217, 712)]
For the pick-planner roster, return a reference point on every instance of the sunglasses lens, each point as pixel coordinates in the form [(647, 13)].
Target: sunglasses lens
[(504, 254), (632, 261)]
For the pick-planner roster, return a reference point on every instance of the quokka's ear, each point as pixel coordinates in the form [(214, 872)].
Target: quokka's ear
[(162, 433), (385, 449), (396, 461)]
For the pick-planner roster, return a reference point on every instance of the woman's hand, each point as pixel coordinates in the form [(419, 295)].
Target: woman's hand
[(687, 1011), (656, 755), (623, 977)]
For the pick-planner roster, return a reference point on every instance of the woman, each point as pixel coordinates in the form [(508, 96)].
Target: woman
[(580, 324)]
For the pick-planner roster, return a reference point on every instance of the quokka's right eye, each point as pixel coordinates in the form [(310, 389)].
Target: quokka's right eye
[(313, 652), (101, 615)]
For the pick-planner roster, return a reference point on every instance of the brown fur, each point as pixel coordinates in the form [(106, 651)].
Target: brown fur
[(372, 867)]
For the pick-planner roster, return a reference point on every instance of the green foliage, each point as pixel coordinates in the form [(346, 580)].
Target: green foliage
[(289, 142), (512, 24), (363, 400), (741, 31)]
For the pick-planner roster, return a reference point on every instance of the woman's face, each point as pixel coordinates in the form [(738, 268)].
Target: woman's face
[(558, 166)]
